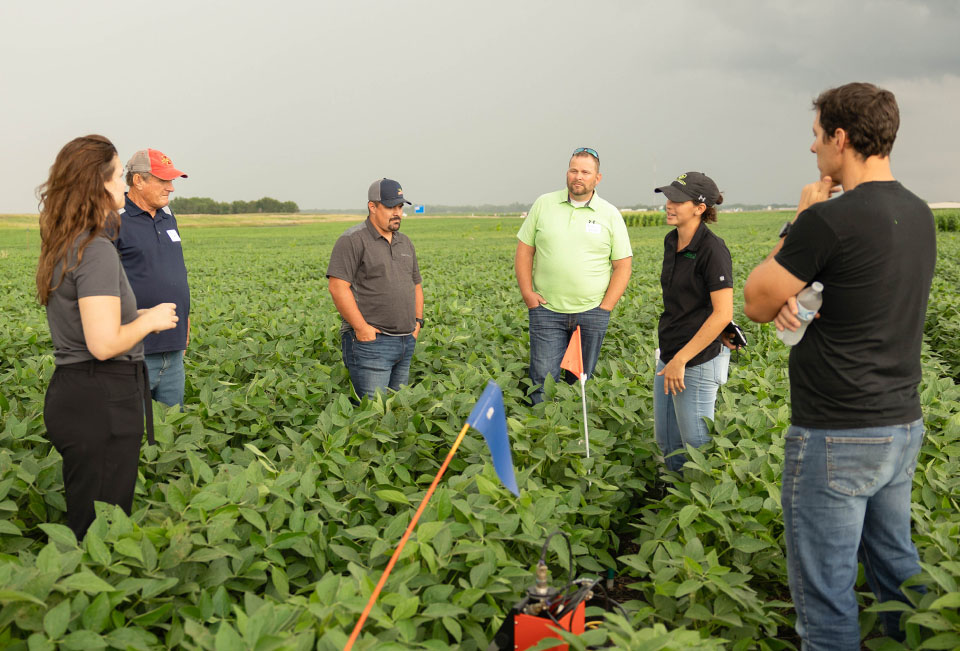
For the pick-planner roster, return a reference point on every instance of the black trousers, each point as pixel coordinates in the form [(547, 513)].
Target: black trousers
[(94, 414)]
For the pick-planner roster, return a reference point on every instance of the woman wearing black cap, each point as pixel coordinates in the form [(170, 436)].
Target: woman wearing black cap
[(94, 407), (697, 283)]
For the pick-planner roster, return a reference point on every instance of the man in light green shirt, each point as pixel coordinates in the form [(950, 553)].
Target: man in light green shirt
[(573, 263)]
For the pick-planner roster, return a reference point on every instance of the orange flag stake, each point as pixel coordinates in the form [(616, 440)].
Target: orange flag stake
[(403, 541), (573, 362)]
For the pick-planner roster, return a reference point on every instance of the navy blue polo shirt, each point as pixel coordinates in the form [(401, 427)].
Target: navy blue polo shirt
[(152, 256)]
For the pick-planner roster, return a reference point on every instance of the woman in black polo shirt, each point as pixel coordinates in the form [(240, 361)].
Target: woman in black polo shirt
[(697, 283), (95, 403)]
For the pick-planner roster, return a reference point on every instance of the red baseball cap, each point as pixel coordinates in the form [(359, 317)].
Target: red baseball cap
[(156, 163)]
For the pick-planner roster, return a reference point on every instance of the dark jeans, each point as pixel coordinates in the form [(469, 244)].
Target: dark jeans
[(550, 334), (383, 363), (94, 415)]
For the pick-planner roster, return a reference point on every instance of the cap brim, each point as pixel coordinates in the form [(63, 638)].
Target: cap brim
[(395, 203), (674, 194), (170, 174)]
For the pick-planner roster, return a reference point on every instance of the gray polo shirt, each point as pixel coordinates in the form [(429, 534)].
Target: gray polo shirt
[(382, 276), (98, 274)]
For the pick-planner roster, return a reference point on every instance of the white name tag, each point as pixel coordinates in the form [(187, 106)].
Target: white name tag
[(174, 235), (593, 228)]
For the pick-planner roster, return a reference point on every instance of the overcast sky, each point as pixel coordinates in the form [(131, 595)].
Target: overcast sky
[(469, 103)]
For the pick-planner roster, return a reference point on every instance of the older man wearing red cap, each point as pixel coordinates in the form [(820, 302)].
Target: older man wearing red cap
[(152, 256)]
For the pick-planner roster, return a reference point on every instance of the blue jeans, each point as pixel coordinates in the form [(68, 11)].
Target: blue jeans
[(166, 377), (383, 363), (678, 419), (846, 495), (550, 334)]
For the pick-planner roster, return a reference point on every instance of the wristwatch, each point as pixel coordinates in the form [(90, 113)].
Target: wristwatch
[(785, 230), (419, 320)]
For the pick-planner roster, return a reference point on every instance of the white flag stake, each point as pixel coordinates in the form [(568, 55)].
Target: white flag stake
[(583, 395)]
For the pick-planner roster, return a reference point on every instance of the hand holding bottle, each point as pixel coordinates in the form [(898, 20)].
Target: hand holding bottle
[(798, 313)]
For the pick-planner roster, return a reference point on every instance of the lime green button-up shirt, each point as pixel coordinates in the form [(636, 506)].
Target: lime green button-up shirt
[(574, 250)]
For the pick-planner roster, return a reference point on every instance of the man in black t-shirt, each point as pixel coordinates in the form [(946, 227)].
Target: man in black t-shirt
[(856, 425)]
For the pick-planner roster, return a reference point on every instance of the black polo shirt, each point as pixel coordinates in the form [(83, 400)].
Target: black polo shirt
[(382, 276), (152, 256), (687, 278)]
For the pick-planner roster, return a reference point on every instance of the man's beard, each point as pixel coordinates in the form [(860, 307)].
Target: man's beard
[(583, 191)]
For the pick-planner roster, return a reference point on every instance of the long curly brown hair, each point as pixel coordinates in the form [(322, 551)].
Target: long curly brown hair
[(73, 201)]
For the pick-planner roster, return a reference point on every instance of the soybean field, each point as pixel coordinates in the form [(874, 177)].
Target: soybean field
[(268, 509)]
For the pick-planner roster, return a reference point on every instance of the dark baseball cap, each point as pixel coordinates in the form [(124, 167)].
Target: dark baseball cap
[(388, 192), (692, 186)]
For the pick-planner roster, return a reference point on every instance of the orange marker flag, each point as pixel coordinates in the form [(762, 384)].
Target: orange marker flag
[(573, 362), (573, 358)]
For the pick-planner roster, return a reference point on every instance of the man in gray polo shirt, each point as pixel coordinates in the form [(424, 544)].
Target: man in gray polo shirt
[(375, 283)]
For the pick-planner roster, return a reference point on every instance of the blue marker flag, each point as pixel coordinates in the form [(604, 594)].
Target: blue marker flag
[(489, 419)]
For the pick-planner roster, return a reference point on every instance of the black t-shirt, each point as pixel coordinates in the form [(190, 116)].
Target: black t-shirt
[(687, 278), (874, 249)]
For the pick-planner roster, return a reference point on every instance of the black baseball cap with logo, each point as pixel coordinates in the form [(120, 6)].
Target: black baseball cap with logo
[(692, 186), (388, 192)]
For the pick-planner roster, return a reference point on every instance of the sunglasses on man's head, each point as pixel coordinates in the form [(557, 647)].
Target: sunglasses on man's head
[(586, 150)]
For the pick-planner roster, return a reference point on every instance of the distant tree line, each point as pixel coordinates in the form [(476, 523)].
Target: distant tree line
[(207, 206)]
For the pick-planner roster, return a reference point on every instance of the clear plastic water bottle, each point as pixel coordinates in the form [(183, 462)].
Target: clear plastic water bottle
[(808, 303)]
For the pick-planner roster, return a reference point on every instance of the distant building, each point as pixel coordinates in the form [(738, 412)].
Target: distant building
[(944, 204)]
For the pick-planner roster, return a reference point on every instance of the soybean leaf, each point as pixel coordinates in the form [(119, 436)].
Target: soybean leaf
[(56, 620), (85, 582), (393, 496)]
